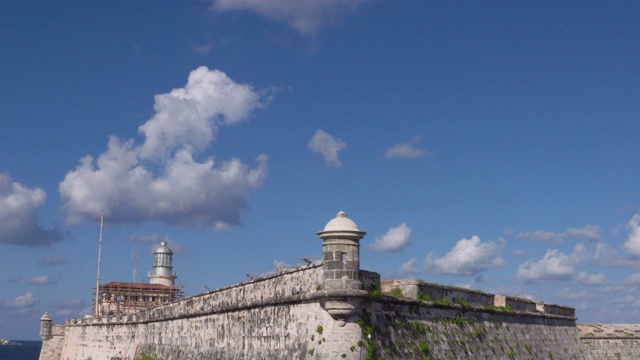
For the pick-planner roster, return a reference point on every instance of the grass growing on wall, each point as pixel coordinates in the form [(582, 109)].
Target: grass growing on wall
[(144, 356)]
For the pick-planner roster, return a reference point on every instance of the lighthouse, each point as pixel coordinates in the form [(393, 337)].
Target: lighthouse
[(162, 266)]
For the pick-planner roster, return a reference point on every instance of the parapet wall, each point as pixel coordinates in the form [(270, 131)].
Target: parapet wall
[(420, 290), (515, 303), (554, 309), (288, 285)]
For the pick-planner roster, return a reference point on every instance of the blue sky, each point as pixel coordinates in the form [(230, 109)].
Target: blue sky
[(491, 145)]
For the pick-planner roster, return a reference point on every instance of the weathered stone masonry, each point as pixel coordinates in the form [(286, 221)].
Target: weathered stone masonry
[(334, 310)]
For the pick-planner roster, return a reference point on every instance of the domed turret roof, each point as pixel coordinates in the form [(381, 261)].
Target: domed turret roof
[(341, 223), (341, 227), (163, 249)]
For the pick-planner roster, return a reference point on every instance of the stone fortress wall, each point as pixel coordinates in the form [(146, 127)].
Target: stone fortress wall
[(333, 310), (267, 318)]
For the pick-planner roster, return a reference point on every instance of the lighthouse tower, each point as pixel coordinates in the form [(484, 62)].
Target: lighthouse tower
[(162, 266)]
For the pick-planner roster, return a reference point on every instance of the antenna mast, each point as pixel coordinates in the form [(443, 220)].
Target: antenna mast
[(96, 310)]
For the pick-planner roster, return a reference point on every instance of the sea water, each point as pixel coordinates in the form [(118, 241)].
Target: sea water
[(27, 350)]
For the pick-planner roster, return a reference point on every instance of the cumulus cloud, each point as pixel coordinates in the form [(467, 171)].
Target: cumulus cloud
[(540, 236), (326, 145), (396, 239), (633, 279), (162, 179), (585, 278), (605, 255), (72, 308), (305, 16), (554, 265), (587, 232), (632, 245), (566, 293), (15, 279), (468, 257), (18, 220), (191, 114), (24, 301), (41, 280), (53, 260), (405, 151), (409, 267), (519, 253)]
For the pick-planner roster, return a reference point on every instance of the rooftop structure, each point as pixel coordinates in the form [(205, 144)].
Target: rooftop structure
[(131, 297)]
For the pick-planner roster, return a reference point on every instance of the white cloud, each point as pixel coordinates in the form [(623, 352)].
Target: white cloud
[(605, 255), (633, 279), (587, 232), (174, 246), (396, 239), (305, 16), (201, 49), (155, 240), (53, 260), (554, 265), (540, 236), (566, 293), (405, 151), (18, 219), (138, 237), (585, 278), (328, 146), (519, 253), (41, 280), (72, 308), (409, 267), (468, 257), (280, 264), (191, 115), (25, 301), (161, 179), (632, 245), (480, 278)]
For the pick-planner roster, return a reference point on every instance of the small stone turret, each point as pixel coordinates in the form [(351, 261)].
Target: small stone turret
[(45, 327), (341, 267), (162, 266), (341, 250)]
